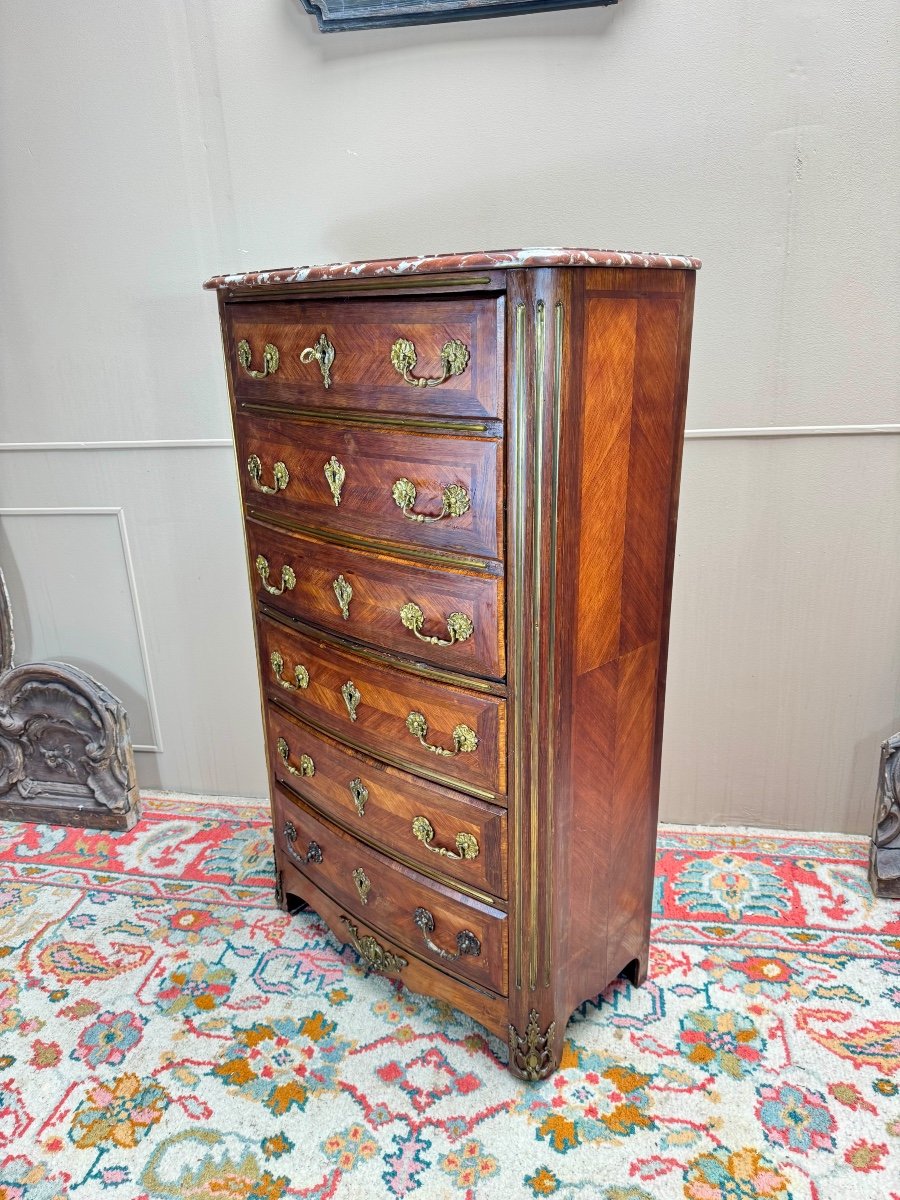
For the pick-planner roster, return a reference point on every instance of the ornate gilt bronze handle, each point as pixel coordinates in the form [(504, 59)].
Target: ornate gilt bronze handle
[(313, 850), (322, 353), (288, 578), (465, 740), (373, 952), (279, 474), (352, 697), (301, 675), (344, 593), (360, 794), (454, 501), (335, 474), (466, 843), (454, 360), (459, 625), (363, 884), (270, 359), (307, 766), (466, 941)]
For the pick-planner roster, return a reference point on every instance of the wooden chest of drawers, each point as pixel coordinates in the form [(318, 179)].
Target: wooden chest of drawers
[(460, 482)]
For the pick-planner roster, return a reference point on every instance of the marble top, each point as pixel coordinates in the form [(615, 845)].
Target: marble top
[(479, 260)]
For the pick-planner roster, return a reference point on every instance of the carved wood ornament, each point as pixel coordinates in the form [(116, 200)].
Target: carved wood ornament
[(65, 749), (884, 854)]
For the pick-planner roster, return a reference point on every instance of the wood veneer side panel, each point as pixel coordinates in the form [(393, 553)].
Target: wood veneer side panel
[(660, 404)]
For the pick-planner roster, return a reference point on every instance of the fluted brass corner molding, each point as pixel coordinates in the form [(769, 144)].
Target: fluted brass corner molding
[(373, 952), (531, 1055)]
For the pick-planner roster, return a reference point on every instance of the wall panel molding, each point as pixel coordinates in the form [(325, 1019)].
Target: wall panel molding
[(748, 431), (156, 747)]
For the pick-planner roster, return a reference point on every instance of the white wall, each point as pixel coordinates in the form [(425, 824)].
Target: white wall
[(148, 145)]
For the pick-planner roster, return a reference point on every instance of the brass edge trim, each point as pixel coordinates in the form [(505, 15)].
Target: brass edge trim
[(536, 599), (448, 881), (491, 427), (469, 683), (354, 541), (458, 785), (329, 287), (558, 333), (518, 432)]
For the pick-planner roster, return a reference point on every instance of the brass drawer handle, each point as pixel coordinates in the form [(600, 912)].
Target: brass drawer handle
[(322, 353), (465, 740), (335, 474), (352, 697), (344, 593), (313, 850), (360, 794), (466, 843), (270, 359), (363, 884), (454, 501), (459, 625), (307, 766), (288, 578), (279, 474), (301, 675), (373, 952), (466, 941), (454, 360)]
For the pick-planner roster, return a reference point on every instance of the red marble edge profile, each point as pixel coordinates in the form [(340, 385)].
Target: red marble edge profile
[(480, 260)]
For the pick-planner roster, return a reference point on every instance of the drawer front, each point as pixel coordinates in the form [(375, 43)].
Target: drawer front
[(443, 830), (364, 596), (321, 684), (355, 339), (439, 925), (344, 478)]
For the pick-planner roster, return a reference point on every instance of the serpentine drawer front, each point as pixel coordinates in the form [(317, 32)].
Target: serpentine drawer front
[(459, 478), (465, 936), (446, 832), (436, 356), (367, 704), (382, 601), (430, 493)]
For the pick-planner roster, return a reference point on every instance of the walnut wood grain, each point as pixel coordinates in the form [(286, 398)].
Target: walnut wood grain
[(395, 893), (483, 1006), (381, 587), (388, 697), (392, 801), (373, 460), (362, 333)]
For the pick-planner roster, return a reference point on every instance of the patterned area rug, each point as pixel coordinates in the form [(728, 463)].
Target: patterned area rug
[(165, 1032)]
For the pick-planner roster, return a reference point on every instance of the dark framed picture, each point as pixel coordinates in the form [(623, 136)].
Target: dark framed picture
[(371, 14)]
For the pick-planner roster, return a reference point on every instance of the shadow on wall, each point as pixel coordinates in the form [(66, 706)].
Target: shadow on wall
[(371, 43)]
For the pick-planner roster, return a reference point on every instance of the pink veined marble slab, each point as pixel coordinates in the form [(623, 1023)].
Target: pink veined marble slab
[(479, 260)]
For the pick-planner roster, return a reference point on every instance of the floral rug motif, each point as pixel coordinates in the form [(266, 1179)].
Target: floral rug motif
[(167, 1034)]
